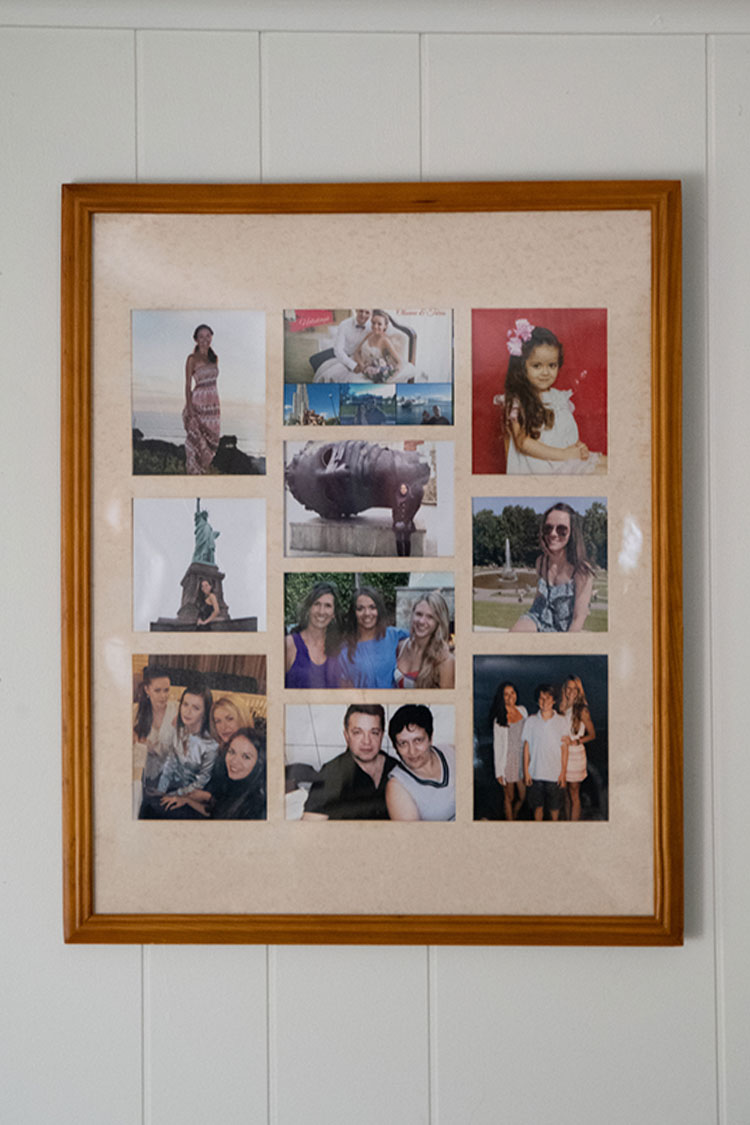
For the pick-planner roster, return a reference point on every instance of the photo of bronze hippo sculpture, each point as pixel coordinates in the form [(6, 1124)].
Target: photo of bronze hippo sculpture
[(341, 478)]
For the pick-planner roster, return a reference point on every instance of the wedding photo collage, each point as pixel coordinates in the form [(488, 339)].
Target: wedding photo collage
[(373, 558)]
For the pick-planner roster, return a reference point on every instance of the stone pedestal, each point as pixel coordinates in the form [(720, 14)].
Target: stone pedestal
[(225, 625), (187, 614), (194, 575), (369, 536)]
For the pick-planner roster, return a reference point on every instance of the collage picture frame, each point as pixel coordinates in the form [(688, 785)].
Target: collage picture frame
[(485, 460)]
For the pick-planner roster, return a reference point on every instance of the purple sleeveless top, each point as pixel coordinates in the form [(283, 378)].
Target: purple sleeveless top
[(304, 674)]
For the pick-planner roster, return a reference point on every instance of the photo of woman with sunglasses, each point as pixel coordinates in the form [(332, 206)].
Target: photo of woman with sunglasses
[(518, 588), (565, 576)]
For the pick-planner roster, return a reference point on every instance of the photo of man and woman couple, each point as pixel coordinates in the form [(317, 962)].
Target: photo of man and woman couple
[(368, 367)]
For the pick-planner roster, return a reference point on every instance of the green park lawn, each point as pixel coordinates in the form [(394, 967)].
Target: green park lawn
[(501, 615)]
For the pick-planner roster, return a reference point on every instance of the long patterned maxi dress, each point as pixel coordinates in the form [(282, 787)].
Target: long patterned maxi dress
[(203, 426)]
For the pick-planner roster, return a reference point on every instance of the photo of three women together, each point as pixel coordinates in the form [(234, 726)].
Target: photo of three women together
[(375, 630), (199, 742), (541, 739)]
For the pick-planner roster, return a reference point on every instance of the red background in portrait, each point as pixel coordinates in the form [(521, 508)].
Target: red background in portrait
[(583, 335)]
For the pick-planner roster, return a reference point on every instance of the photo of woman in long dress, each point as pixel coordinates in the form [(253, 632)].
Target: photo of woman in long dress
[(202, 413)]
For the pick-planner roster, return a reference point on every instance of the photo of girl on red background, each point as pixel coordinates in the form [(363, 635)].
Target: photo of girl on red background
[(553, 418)]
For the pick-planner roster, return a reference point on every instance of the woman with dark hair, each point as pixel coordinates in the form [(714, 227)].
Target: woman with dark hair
[(424, 658), (155, 717), (189, 762), (368, 657), (236, 789), (507, 717), (565, 576), (574, 707), (313, 645), (201, 416), (208, 603)]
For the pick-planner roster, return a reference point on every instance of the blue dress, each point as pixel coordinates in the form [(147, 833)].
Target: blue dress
[(305, 674), (373, 662)]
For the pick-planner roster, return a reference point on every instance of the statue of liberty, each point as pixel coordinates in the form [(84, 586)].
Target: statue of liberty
[(205, 537), (202, 604)]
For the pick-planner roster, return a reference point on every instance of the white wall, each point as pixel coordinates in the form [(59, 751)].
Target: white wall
[(183, 90)]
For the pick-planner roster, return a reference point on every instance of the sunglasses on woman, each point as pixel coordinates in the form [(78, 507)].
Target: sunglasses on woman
[(560, 529)]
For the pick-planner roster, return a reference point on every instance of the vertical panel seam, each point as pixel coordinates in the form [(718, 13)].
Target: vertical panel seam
[(710, 170), (432, 1099), (145, 1038), (260, 107), (420, 68), (136, 106), (271, 1061)]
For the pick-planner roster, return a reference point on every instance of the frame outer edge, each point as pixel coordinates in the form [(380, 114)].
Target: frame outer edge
[(79, 204), (667, 562), (76, 545)]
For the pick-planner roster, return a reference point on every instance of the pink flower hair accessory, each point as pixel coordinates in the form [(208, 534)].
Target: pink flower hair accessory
[(517, 338)]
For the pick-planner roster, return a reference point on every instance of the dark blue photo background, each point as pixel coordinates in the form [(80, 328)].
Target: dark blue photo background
[(526, 672)]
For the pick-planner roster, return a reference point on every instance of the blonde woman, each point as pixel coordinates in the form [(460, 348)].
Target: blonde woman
[(424, 659), (227, 718), (575, 709)]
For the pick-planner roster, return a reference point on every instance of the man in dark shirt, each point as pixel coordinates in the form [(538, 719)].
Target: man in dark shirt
[(352, 785)]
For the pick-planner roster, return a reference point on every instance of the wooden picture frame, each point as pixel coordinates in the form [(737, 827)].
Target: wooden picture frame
[(566, 220)]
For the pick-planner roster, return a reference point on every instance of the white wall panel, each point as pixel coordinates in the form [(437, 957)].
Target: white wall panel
[(198, 105), (552, 1035), (71, 1016), (340, 107), (542, 106), (729, 263), (205, 1035), (582, 1035), (349, 1035)]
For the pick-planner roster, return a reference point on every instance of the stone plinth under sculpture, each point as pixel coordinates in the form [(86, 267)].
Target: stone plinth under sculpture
[(358, 536)]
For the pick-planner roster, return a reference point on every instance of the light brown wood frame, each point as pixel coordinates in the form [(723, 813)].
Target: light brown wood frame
[(80, 203)]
